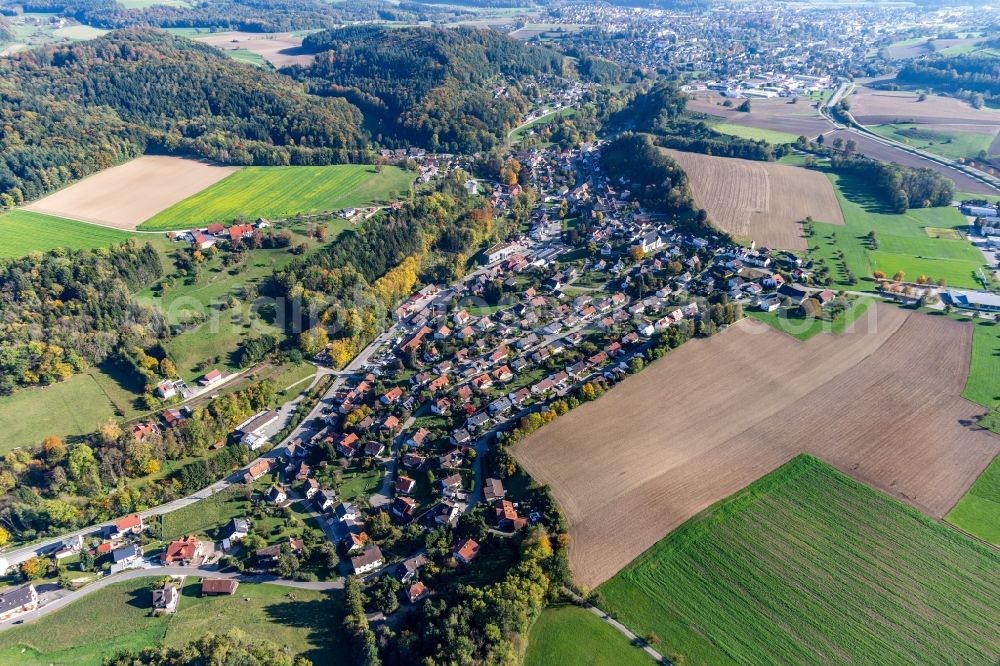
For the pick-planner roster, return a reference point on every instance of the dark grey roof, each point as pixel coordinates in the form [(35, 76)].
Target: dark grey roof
[(125, 553), (13, 599)]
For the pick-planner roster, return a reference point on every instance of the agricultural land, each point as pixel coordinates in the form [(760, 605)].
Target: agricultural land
[(807, 565), (302, 620), (857, 400), (978, 512), (760, 200), (280, 192), (22, 231), (279, 49), (126, 195)]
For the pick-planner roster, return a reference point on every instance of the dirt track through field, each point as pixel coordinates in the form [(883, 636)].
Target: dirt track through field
[(127, 195), (760, 200), (880, 402)]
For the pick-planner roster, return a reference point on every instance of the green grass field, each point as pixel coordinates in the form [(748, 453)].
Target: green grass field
[(245, 55), (573, 636), (22, 232), (806, 565), (73, 407), (745, 132), (206, 517), (950, 144), (520, 132), (978, 512), (949, 234), (803, 328), (304, 621), (279, 192), (983, 383), (904, 244)]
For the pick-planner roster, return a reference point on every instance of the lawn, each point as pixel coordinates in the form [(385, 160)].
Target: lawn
[(304, 621), (357, 482), (806, 565), (983, 384), (85, 632), (573, 636), (23, 231), (903, 241), (73, 407), (953, 145), (755, 133), (978, 512), (793, 323), (209, 516), (520, 132), (281, 192)]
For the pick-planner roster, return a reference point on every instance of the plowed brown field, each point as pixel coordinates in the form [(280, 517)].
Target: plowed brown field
[(760, 200), (127, 195), (880, 402), (278, 48)]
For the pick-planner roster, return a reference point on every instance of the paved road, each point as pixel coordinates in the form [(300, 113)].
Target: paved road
[(158, 572)]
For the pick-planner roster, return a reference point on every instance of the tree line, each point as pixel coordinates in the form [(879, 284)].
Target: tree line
[(972, 76), (899, 187)]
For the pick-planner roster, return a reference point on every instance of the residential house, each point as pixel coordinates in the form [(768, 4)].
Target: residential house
[(505, 516), (416, 592), (450, 484), (345, 512), (275, 495), (407, 570), (445, 512), (414, 461), (370, 559), (466, 551), (256, 471), (126, 557), (405, 484), (165, 599), (325, 500), (211, 378), (17, 600), (182, 551), (403, 507), (269, 556), (493, 490), (130, 524)]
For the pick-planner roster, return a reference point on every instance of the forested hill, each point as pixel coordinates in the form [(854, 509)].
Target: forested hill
[(6, 33), (111, 99), (972, 76), (454, 90)]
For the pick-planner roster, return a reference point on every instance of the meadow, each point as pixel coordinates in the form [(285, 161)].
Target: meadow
[(808, 566), (117, 617), (570, 636), (23, 231), (903, 242), (983, 384), (73, 407), (281, 192), (947, 143), (209, 516), (978, 512), (756, 133)]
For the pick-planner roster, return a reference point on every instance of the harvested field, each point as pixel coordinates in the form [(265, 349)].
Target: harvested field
[(760, 200), (881, 402), (876, 107), (126, 195), (281, 49), (801, 118)]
